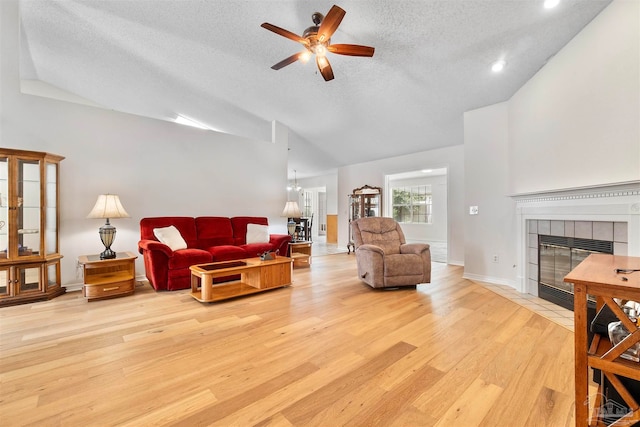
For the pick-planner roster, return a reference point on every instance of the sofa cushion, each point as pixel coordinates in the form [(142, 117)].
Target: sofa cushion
[(257, 233), (171, 237), (214, 231), (256, 249), (185, 258), (226, 253), (186, 225), (239, 224)]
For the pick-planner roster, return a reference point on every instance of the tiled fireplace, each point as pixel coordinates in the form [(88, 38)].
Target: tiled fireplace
[(555, 247), (608, 216)]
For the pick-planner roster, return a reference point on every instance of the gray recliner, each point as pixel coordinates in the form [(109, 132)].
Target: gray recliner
[(384, 258)]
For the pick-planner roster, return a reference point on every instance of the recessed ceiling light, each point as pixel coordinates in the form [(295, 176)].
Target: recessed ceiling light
[(498, 66), (190, 122), (550, 4)]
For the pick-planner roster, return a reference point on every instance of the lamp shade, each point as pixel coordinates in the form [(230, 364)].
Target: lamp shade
[(108, 206), (291, 210)]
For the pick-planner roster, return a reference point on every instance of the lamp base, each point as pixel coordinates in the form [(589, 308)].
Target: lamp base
[(291, 229), (108, 254), (107, 235)]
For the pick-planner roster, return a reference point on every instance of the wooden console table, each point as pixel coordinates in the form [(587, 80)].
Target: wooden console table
[(256, 276), (598, 275)]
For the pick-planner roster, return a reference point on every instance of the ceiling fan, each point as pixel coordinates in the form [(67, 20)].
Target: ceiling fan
[(317, 40)]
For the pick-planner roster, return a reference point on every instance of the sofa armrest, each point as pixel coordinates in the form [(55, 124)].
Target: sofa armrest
[(153, 245), (280, 243), (414, 248)]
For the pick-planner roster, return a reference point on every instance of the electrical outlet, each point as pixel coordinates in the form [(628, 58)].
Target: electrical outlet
[(473, 210), (496, 259)]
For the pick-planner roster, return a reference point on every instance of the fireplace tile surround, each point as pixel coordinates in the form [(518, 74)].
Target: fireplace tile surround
[(609, 231), (607, 212)]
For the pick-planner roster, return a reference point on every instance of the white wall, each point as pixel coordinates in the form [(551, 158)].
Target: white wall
[(373, 173), (492, 231), (158, 168), (577, 121)]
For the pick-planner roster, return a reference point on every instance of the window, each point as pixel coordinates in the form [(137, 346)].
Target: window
[(412, 204)]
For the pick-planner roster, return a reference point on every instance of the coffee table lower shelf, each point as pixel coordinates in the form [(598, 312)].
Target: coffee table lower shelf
[(255, 276)]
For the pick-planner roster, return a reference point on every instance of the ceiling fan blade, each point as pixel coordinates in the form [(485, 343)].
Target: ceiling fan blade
[(324, 67), (330, 23), (351, 49), (285, 33), (290, 60)]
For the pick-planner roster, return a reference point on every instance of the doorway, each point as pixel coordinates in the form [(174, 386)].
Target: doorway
[(418, 201)]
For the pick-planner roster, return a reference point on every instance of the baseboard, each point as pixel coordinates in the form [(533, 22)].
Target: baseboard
[(491, 280), (73, 287)]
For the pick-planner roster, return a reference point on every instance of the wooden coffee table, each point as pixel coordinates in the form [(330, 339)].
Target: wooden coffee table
[(255, 276)]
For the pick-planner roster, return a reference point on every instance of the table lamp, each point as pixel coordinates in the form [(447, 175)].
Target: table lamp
[(291, 211), (108, 206)]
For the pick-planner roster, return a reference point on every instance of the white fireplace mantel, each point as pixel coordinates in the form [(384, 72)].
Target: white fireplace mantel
[(612, 202)]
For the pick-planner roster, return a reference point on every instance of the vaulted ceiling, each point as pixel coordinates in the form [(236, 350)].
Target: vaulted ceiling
[(210, 60)]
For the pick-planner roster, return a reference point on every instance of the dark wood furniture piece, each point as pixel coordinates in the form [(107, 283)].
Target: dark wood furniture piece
[(364, 201), (108, 278), (303, 228), (256, 276), (29, 222), (599, 275)]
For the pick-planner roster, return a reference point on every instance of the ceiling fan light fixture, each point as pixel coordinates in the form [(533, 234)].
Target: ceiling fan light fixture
[(320, 49), (317, 41), (322, 61), (304, 57)]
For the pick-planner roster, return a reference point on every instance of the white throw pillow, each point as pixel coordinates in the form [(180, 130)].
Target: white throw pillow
[(257, 233), (171, 237)]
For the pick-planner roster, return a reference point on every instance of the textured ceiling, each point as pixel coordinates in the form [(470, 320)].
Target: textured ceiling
[(210, 60)]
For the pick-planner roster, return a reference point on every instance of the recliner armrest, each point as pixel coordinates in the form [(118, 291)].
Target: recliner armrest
[(371, 248), (414, 248), (153, 245)]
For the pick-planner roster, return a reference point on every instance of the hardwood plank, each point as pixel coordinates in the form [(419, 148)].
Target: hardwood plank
[(310, 405), (472, 405), (327, 350)]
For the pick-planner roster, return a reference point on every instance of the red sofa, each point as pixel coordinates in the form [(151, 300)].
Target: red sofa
[(208, 239)]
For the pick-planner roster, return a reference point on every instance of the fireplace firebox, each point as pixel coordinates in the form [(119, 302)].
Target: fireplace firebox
[(558, 255)]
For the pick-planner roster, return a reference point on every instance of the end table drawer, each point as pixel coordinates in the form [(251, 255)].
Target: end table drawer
[(108, 290)]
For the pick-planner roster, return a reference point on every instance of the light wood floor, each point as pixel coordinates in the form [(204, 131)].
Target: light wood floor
[(327, 351)]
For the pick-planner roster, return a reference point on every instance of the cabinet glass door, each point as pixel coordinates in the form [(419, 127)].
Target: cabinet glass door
[(51, 207), (371, 206), (28, 204), (53, 275), (29, 278), (4, 281), (4, 206)]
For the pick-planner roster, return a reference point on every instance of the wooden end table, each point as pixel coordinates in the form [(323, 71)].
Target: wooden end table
[(108, 278), (300, 252), (599, 275)]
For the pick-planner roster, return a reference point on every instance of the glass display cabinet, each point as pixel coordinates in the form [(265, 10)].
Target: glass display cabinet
[(363, 202), (29, 222)]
